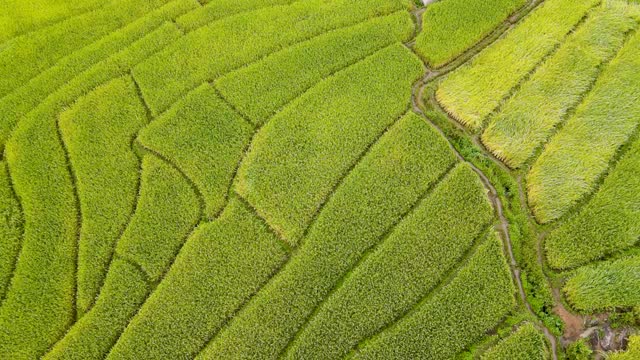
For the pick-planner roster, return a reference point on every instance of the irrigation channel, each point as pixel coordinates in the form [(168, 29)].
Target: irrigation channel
[(502, 225)]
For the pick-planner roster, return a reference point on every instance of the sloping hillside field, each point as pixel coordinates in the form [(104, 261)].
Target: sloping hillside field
[(319, 179)]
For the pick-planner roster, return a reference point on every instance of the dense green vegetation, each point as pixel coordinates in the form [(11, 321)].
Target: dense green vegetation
[(632, 353), (452, 26), (526, 343), (604, 286), (529, 117), (475, 89), (317, 179)]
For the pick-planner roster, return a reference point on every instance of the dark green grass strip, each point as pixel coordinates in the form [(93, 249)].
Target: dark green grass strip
[(301, 153), (209, 52), (11, 228), (264, 87), (452, 26), (526, 343), (24, 58), (460, 313), (91, 337), (384, 185), (580, 153), (605, 286), (474, 90), (218, 9), (401, 270), (41, 302), (528, 119), (24, 99), (219, 267), (607, 224), (205, 138), (97, 131)]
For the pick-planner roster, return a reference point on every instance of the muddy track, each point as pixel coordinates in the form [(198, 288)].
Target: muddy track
[(502, 225)]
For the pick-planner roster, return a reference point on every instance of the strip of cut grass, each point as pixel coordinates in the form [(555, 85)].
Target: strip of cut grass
[(25, 57), (389, 180), (526, 343), (205, 138), (211, 51), (97, 132), (11, 222), (528, 118), (607, 224), (473, 91), (219, 9), (579, 154), (91, 337), (167, 211), (452, 26), (301, 154), (264, 87), (444, 324), (220, 266), (605, 286), (24, 99), (19, 17), (40, 304), (406, 266)]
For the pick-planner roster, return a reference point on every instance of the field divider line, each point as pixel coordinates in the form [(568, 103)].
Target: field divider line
[(314, 217), (287, 247), (135, 264), (369, 252), (14, 266), (534, 69), (446, 279)]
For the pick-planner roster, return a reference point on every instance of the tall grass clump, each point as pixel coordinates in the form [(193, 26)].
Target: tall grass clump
[(408, 160), (529, 118), (204, 137), (408, 264), (574, 159), (633, 350), (607, 224), (459, 313), (526, 343), (605, 286), (452, 26), (301, 154), (474, 90), (225, 45), (264, 87)]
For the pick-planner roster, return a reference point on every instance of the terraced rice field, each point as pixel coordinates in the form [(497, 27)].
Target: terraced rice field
[(318, 179)]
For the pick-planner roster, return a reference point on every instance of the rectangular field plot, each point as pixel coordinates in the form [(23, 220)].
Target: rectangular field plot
[(526, 343)]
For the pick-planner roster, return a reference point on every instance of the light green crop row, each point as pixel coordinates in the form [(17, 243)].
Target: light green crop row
[(609, 223), (218, 269), (166, 213), (40, 304), (528, 119), (24, 99), (580, 153), (632, 353), (211, 51), (392, 177), (205, 138), (452, 26), (302, 152), (25, 57), (264, 87), (605, 286), (402, 270), (19, 17), (460, 313), (216, 10), (124, 291), (474, 90), (11, 223), (526, 343), (97, 132)]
